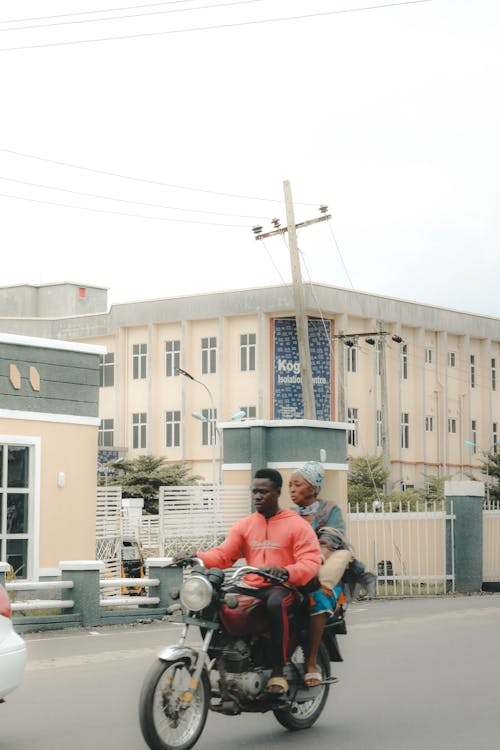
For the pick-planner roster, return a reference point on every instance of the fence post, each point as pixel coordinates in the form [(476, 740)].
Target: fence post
[(4, 569), (85, 592), (466, 543), (170, 578)]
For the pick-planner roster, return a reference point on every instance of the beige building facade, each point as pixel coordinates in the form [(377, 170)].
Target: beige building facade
[(415, 382), (49, 424)]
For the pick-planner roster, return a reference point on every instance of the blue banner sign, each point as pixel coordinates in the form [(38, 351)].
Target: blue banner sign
[(288, 402)]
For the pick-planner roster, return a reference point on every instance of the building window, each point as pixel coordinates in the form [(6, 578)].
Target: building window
[(139, 361), (472, 371), (452, 425), (247, 351), (250, 412), (15, 497), (208, 427), (106, 433), (404, 361), (379, 428), (352, 358), (473, 429), (139, 426), (107, 370), (429, 424), (405, 429), (172, 429), (452, 359), (352, 419), (428, 355), (494, 437), (172, 358), (209, 355), (493, 374)]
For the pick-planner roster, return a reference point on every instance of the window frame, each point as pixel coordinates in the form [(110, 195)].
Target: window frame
[(248, 352), (208, 355), (139, 361), (405, 430), (172, 358), (139, 430), (107, 370), (173, 428)]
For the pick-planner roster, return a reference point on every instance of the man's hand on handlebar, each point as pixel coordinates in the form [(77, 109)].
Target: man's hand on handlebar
[(184, 558), (280, 573)]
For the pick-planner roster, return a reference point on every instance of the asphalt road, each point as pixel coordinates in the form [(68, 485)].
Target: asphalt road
[(417, 674)]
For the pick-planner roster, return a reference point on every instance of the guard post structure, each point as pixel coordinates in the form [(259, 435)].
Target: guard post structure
[(465, 498), (85, 593), (285, 444), (170, 578)]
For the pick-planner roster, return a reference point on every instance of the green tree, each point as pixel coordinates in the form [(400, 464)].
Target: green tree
[(143, 476), (366, 480), (490, 467)]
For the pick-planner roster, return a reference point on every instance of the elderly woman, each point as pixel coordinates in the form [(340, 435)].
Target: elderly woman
[(326, 519)]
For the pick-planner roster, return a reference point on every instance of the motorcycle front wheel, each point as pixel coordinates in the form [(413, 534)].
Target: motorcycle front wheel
[(302, 715), (167, 722)]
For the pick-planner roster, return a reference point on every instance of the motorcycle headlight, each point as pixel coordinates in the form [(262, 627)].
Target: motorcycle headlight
[(196, 593)]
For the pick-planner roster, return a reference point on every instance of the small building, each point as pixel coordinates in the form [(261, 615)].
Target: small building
[(49, 402)]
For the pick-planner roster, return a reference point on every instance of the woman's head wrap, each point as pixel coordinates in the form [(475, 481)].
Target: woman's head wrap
[(313, 472)]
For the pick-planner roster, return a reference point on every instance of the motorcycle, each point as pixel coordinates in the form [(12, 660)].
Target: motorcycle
[(229, 673)]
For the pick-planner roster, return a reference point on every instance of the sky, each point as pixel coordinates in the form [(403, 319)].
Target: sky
[(388, 115)]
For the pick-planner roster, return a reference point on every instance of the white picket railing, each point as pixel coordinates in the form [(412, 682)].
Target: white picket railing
[(405, 548), (109, 530), (491, 539), (196, 518)]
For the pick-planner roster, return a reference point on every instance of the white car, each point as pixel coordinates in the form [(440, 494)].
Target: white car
[(12, 649)]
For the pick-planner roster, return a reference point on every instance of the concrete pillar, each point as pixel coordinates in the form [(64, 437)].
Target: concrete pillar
[(170, 578), (4, 569), (132, 507), (466, 540), (85, 592)]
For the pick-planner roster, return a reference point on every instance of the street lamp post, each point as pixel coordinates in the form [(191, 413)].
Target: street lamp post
[(212, 425), (238, 415)]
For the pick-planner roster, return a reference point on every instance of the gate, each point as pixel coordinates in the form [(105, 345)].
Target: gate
[(197, 517), (491, 537), (109, 530), (405, 547)]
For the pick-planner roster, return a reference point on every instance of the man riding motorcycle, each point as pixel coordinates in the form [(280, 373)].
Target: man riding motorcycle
[(280, 541)]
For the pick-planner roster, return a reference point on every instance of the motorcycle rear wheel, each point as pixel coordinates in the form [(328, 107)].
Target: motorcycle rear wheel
[(166, 723), (303, 715)]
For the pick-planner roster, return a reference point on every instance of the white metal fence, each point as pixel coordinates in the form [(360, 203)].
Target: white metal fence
[(196, 518), (109, 530), (405, 547), (491, 540)]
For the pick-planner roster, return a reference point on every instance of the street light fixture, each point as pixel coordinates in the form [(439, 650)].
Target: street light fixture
[(202, 418), (213, 426)]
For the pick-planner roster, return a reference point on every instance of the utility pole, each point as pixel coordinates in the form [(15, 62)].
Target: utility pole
[(300, 315), (386, 448), (298, 294)]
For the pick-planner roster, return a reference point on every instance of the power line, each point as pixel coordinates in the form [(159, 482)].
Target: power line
[(218, 26), (130, 15), (92, 12), (147, 181), (120, 213), (123, 200)]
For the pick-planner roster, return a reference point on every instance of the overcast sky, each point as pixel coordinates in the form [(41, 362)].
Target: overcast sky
[(389, 115)]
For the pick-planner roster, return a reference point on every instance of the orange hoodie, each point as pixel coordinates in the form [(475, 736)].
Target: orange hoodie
[(284, 540)]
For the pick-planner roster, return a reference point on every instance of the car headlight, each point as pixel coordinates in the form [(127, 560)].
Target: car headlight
[(196, 593)]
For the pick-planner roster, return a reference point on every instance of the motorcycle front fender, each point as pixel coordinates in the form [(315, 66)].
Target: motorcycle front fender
[(176, 653)]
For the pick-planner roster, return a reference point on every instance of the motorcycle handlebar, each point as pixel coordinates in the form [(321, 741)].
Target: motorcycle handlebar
[(246, 569)]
